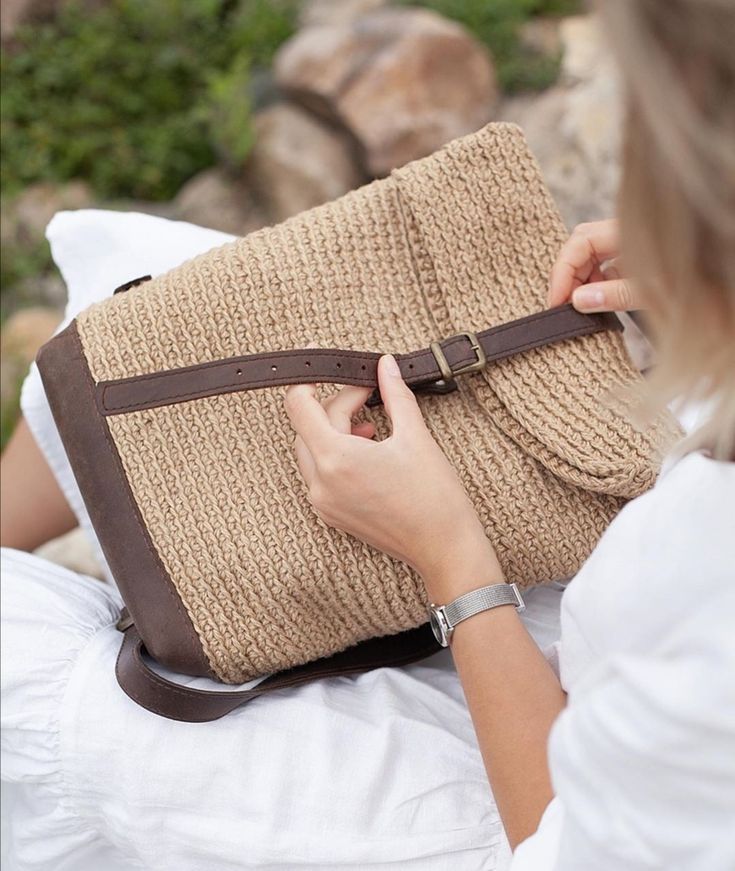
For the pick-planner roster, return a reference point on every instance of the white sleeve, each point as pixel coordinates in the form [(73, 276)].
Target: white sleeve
[(643, 758), (539, 852)]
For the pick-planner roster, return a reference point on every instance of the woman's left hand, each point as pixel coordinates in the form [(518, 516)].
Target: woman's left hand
[(400, 495)]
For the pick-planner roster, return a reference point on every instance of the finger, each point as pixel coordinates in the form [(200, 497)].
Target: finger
[(606, 296), (344, 405), (582, 254), (365, 429), (304, 460), (307, 416), (399, 402)]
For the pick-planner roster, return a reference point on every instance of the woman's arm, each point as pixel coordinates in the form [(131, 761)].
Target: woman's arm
[(33, 509), (402, 496), (512, 694)]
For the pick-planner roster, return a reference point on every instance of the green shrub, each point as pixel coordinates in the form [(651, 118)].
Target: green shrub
[(497, 23), (132, 96)]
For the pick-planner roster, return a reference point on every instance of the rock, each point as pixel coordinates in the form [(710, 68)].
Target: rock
[(574, 131), (46, 289), (26, 217), (315, 12), (73, 551), (214, 199), (583, 48), (25, 331), (163, 209), (298, 162), (401, 81), (541, 35), (14, 13), (22, 335)]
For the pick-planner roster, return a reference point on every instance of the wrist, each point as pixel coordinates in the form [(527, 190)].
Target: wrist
[(463, 566)]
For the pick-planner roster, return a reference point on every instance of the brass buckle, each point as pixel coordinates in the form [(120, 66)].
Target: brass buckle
[(448, 374)]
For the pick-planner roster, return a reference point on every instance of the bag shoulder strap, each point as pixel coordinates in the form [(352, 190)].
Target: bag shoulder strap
[(176, 702)]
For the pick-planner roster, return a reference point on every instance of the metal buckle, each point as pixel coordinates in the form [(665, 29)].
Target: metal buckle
[(449, 374), (125, 621)]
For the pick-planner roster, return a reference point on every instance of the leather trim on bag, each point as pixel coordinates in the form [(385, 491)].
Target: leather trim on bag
[(148, 592), (275, 368)]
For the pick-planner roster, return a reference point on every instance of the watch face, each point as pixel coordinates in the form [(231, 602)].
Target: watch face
[(437, 626)]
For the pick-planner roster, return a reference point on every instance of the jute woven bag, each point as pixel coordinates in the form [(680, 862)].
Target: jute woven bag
[(169, 400)]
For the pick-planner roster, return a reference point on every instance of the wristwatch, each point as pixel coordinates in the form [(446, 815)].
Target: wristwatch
[(444, 618)]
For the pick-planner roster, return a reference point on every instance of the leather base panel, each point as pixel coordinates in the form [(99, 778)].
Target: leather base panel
[(151, 597)]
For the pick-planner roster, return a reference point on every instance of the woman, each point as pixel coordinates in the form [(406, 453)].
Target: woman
[(678, 228), (625, 761)]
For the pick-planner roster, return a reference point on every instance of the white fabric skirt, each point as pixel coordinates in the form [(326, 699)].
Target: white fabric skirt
[(381, 770)]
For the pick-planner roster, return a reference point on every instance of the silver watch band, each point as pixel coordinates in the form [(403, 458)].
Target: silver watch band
[(481, 600), (444, 618)]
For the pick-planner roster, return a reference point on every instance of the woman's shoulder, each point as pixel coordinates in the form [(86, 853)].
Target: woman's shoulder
[(665, 556)]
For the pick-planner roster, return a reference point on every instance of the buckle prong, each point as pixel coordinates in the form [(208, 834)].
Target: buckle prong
[(448, 374)]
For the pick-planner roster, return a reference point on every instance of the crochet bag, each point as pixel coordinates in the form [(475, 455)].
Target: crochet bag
[(169, 400)]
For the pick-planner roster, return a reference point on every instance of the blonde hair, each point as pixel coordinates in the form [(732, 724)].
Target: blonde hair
[(677, 198)]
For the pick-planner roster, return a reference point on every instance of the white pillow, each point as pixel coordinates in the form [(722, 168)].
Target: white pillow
[(97, 251)]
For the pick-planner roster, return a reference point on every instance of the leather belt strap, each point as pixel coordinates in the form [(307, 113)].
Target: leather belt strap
[(428, 369), (162, 696), (425, 369)]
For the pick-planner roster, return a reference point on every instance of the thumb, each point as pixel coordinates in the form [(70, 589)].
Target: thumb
[(606, 296), (399, 401)]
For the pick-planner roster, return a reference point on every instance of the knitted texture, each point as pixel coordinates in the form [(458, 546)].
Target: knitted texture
[(464, 239)]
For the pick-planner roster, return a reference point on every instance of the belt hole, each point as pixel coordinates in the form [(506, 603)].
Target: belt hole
[(238, 371), (364, 367), (339, 365), (274, 368), (410, 365), (308, 363)]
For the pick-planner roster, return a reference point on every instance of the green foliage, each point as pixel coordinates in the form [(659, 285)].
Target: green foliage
[(136, 96), (227, 112), (497, 23), (19, 263)]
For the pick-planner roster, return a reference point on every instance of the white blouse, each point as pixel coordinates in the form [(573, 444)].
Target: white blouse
[(643, 757), (380, 770)]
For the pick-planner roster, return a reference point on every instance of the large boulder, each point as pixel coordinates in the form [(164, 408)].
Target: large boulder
[(298, 162), (574, 127), (26, 216), (215, 199), (22, 335), (14, 13), (401, 81), (335, 11)]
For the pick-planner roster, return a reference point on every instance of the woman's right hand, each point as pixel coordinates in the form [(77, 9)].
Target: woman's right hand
[(585, 273)]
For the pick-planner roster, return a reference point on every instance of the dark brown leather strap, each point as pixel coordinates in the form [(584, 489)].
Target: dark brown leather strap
[(420, 369), (177, 702)]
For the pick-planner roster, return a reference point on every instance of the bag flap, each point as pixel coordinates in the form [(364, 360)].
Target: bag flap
[(488, 233)]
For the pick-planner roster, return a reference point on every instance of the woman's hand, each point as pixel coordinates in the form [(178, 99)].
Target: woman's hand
[(400, 495), (584, 274)]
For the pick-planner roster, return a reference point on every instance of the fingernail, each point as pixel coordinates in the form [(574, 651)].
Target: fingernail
[(391, 366), (589, 297)]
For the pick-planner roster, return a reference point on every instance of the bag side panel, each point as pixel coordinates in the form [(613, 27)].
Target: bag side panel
[(150, 596)]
